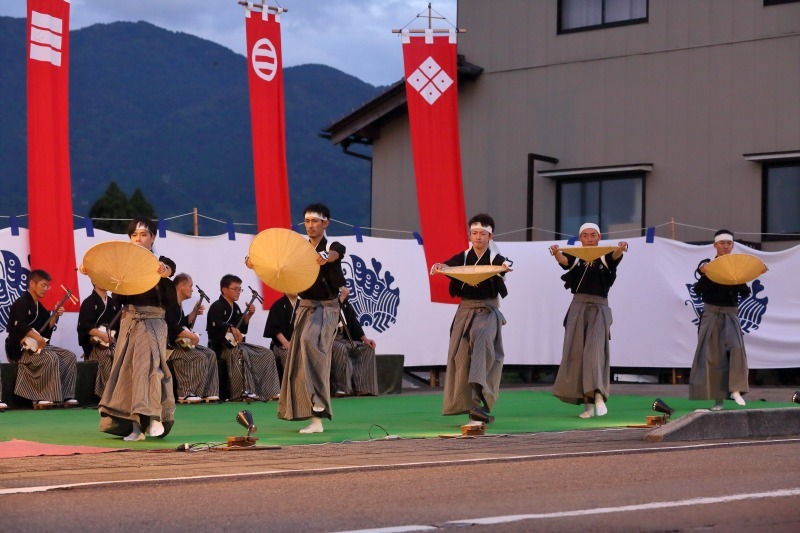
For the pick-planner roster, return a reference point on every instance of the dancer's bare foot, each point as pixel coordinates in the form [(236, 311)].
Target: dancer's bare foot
[(314, 427)]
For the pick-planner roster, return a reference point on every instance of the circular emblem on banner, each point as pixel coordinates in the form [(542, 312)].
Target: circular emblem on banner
[(264, 59)]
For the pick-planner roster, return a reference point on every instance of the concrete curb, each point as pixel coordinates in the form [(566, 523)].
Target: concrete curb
[(707, 425)]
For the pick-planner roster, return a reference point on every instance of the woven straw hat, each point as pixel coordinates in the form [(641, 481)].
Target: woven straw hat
[(284, 260), (734, 269), (471, 274), (121, 267)]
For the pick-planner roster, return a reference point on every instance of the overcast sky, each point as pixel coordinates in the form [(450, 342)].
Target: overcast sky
[(354, 36)]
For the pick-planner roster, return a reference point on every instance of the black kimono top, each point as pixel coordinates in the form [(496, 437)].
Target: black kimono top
[(280, 320), (221, 316), (25, 315), (485, 290), (95, 313), (594, 277), (717, 294), (162, 295), (356, 331), (330, 278)]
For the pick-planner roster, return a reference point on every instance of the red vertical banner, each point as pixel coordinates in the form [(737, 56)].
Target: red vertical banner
[(50, 224), (432, 94), (265, 77)]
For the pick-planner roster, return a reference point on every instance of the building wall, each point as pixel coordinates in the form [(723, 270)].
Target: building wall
[(700, 84)]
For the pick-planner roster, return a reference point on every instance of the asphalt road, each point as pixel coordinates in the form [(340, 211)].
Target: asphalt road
[(586, 480)]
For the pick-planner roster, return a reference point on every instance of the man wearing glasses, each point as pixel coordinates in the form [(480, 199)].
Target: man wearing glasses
[(252, 373)]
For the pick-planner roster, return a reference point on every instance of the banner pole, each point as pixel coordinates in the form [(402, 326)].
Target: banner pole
[(196, 225)]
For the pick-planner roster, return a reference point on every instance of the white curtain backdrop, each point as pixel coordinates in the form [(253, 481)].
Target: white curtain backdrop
[(650, 301)]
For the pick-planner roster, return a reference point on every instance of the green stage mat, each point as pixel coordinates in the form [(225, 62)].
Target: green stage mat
[(354, 419)]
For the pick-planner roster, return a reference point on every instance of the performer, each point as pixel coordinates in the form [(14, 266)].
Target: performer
[(280, 326), (48, 376), (251, 369), (305, 390), (138, 395), (96, 334), (584, 374), (195, 366), (475, 354), (720, 368), (353, 368)]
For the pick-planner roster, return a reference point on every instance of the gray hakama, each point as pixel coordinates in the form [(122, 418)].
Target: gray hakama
[(140, 384), (353, 369), (260, 373), (281, 356), (105, 359), (306, 377), (474, 357), (720, 361), (49, 375), (585, 360), (196, 371)]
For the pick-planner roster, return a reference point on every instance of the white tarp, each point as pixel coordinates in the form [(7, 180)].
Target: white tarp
[(654, 319)]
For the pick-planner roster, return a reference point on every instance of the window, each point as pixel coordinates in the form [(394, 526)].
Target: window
[(581, 15), (776, 2), (781, 200), (616, 203)]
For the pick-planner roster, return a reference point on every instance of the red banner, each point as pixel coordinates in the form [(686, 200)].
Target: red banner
[(265, 76), (432, 94), (49, 191)]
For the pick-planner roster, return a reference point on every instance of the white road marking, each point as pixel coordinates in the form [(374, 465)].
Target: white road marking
[(355, 468)]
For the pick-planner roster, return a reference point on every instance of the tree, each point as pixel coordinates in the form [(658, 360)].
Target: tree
[(113, 211), (138, 205)]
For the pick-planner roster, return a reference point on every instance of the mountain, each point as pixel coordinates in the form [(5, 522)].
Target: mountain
[(169, 113)]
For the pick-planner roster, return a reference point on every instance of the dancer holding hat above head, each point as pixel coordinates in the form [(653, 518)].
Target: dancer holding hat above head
[(584, 374), (720, 362), (475, 354), (305, 389)]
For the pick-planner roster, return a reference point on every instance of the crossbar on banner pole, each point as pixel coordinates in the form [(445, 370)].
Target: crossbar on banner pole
[(430, 18), (263, 6)]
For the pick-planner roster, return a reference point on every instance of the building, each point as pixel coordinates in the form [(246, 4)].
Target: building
[(679, 114)]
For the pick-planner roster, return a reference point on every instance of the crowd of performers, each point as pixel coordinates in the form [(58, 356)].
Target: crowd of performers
[(317, 345)]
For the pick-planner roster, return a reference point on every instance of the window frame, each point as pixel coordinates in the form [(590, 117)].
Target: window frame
[(766, 232), (603, 25)]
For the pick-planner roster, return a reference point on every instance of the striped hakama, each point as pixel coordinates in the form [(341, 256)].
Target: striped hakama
[(353, 370), (720, 361), (105, 359), (306, 378), (260, 373), (49, 375), (140, 384), (585, 361), (196, 371), (474, 357), (281, 356)]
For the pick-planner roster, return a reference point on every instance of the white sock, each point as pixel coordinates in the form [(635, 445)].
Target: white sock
[(588, 412), (314, 427), (737, 397), (155, 429), (136, 434), (600, 405)]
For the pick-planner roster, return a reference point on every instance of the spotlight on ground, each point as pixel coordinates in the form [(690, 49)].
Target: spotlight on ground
[(796, 397), (245, 419), (660, 406)]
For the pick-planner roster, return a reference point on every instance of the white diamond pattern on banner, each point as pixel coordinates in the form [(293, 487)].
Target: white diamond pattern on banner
[(430, 80)]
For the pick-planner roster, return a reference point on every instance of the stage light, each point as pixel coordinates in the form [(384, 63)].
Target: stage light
[(796, 397), (245, 419), (660, 406)]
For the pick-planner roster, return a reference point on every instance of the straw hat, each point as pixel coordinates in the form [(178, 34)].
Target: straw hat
[(284, 260), (734, 269), (471, 274), (588, 253), (121, 267)]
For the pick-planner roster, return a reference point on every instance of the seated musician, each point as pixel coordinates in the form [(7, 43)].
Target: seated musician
[(353, 368), (251, 369), (46, 373), (279, 327), (96, 333), (195, 366)]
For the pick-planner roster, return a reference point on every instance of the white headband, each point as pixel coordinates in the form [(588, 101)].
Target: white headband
[(589, 225), (723, 237), (481, 226), (312, 214), (142, 225)]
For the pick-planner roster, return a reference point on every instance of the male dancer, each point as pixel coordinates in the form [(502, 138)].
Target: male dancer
[(584, 374), (475, 354), (305, 391), (96, 333), (251, 369), (46, 375), (720, 368), (195, 366)]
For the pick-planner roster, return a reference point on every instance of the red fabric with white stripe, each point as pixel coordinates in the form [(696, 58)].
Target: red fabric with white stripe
[(265, 75), (432, 93), (49, 191)]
